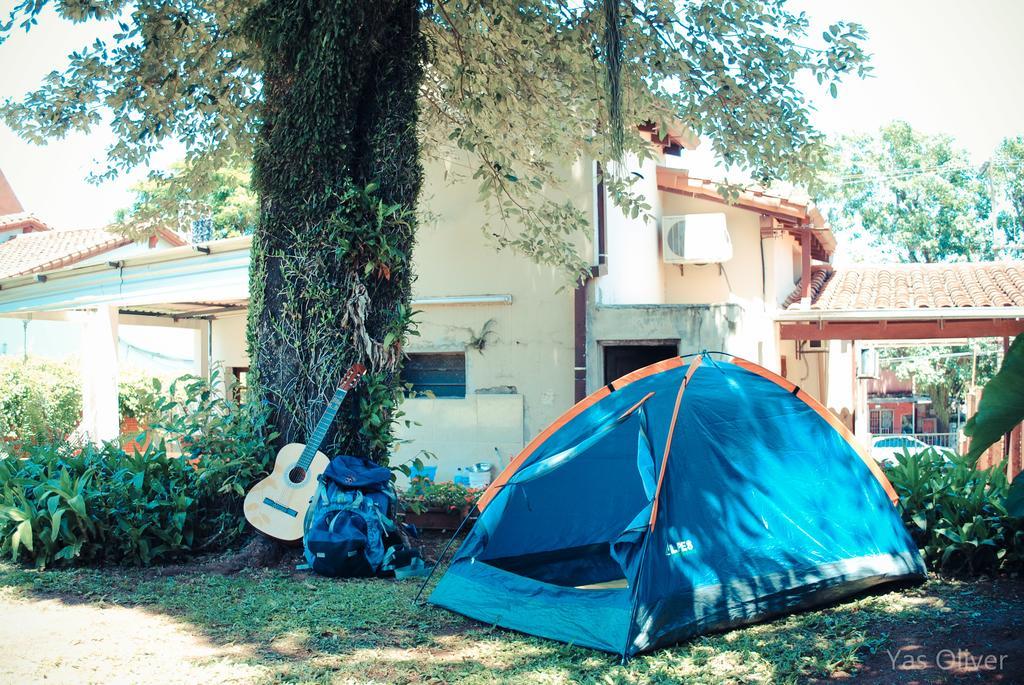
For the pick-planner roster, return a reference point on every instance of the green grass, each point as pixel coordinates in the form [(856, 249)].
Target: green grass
[(297, 628)]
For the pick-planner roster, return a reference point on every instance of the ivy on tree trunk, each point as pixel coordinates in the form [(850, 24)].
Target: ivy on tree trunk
[(338, 174)]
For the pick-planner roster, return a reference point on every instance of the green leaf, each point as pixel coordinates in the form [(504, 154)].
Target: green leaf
[(14, 514), (55, 524), (77, 503), (67, 552), (24, 535), (1002, 403)]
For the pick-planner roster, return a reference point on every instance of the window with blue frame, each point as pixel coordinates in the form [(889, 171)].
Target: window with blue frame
[(441, 374)]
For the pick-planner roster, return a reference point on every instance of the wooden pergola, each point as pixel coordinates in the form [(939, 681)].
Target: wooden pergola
[(912, 325), (912, 302)]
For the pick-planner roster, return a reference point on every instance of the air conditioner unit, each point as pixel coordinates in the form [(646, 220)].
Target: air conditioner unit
[(695, 239)]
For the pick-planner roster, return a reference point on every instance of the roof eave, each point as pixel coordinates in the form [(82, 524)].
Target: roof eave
[(152, 257), (186, 273), (796, 216), (919, 314)]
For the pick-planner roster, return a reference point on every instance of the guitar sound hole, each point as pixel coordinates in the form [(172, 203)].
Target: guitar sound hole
[(297, 475)]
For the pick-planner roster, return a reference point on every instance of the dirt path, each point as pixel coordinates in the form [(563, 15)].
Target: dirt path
[(49, 640), (982, 644)]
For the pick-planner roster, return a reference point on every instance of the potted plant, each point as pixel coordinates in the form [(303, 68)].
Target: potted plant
[(437, 506)]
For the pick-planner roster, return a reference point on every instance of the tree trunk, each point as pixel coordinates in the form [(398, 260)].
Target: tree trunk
[(337, 171)]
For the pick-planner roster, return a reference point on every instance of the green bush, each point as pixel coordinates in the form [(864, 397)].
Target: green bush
[(40, 400), (89, 504), (957, 514), (138, 395)]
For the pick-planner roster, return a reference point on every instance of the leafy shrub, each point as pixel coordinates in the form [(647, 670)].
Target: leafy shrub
[(957, 514), (102, 505), (40, 400), (137, 395)]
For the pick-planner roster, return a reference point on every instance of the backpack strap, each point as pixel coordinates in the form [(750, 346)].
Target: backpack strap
[(354, 505)]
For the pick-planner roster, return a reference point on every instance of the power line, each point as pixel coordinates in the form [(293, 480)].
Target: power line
[(935, 357), (949, 167)]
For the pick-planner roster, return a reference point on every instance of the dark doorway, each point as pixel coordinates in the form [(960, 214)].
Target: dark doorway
[(622, 359)]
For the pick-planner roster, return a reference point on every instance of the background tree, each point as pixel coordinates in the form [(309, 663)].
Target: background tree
[(1007, 173), (944, 372), (172, 199), (914, 197), (333, 98)]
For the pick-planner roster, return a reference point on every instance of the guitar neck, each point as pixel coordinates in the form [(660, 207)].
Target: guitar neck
[(313, 444)]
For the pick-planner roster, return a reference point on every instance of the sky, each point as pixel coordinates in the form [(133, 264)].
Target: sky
[(945, 66)]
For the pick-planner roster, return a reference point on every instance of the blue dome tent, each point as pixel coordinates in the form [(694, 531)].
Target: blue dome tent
[(689, 496)]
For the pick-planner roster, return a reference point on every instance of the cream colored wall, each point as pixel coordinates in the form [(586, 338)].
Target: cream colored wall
[(829, 377), (523, 378), (702, 306), (807, 371), (529, 357), (227, 344), (461, 432), (739, 279), (634, 275), (779, 261)]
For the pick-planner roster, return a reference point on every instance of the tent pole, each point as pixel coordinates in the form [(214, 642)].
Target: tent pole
[(654, 508), (444, 551), (668, 440), (636, 595)]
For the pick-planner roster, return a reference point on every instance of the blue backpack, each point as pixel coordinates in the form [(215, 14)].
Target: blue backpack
[(350, 519)]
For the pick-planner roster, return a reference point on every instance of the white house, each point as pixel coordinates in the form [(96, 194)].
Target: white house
[(752, 278)]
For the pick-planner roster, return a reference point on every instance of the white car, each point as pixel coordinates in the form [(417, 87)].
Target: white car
[(887, 449)]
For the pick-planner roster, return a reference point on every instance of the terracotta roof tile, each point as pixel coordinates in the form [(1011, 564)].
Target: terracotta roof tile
[(34, 252), (819, 276), (20, 221), (915, 286)]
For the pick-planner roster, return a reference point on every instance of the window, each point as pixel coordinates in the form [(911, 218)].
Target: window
[(881, 421), (239, 382), (442, 374)]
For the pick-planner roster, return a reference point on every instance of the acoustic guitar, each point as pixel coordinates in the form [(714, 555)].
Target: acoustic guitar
[(277, 505)]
